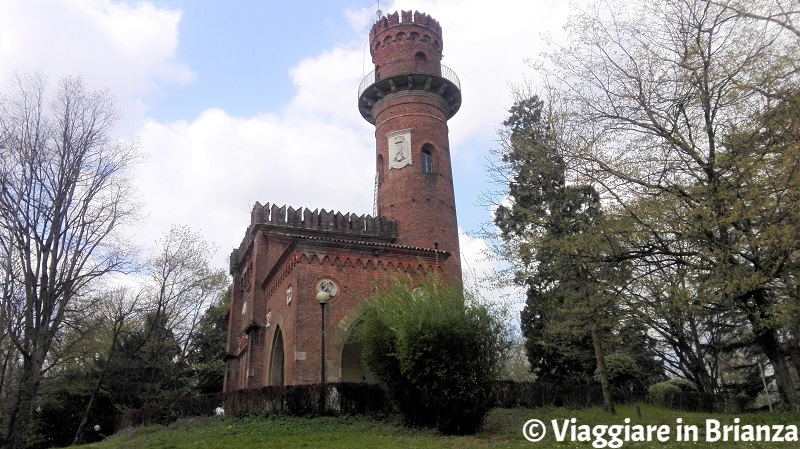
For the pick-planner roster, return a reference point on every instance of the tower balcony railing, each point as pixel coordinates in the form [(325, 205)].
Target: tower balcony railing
[(408, 67)]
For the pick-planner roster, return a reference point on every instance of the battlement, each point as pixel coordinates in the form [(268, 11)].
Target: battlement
[(322, 220), (405, 18)]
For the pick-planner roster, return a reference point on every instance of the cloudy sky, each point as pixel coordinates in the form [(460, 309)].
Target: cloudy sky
[(239, 101)]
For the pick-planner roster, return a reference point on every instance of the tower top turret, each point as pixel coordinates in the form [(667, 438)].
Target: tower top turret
[(394, 19), (406, 49)]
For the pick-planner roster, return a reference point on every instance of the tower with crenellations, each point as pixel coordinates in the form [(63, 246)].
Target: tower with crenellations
[(289, 255), (409, 98)]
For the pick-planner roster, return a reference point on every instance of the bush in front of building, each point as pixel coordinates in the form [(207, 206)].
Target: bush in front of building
[(680, 394), (436, 350)]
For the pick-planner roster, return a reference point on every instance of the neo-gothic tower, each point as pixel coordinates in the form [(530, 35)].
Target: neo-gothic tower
[(409, 98), (288, 255)]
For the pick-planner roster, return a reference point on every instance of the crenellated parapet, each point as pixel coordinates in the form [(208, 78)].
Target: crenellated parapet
[(322, 220), (319, 221), (405, 18)]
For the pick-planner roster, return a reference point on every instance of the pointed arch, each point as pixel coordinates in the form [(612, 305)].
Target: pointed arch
[(352, 365), (277, 359)]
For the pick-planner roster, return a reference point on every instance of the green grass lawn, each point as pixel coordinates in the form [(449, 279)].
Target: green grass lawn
[(503, 429)]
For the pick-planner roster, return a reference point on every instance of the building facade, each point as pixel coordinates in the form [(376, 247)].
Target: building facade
[(288, 255)]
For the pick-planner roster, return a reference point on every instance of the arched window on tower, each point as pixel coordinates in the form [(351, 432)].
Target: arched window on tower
[(427, 159), (379, 173), (420, 56)]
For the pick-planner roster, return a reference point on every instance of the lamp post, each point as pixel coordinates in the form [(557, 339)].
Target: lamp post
[(322, 298), (709, 359)]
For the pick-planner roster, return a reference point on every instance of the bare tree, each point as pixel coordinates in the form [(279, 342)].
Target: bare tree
[(780, 12), (153, 363), (671, 105), (64, 194), (11, 294), (183, 284)]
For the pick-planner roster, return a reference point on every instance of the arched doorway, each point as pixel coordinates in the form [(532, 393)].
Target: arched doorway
[(353, 367), (276, 359)]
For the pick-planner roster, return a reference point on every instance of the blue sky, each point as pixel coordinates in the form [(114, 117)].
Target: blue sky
[(235, 44), (238, 101)]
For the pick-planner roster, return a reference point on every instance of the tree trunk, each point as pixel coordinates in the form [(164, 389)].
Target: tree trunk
[(794, 354), (608, 403), (767, 338), (116, 330), (783, 377), (4, 372), (22, 414), (77, 439)]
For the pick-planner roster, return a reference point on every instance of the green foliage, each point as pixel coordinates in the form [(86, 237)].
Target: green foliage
[(623, 370), (60, 408), (501, 429), (557, 354), (208, 347), (662, 392), (436, 350), (517, 367), (683, 384), (568, 259), (146, 368), (686, 122), (680, 394)]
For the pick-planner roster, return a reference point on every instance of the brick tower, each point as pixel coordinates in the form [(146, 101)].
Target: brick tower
[(409, 98), (288, 255)]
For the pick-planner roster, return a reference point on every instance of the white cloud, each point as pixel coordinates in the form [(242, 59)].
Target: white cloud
[(486, 45), (327, 87), (127, 48), (206, 172), (479, 271)]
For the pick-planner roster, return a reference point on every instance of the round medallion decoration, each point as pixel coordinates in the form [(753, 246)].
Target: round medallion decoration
[(329, 286)]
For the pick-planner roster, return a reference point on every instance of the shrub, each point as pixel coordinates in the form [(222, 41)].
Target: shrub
[(662, 393), (684, 384), (343, 398), (436, 351), (680, 394), (623, 372)]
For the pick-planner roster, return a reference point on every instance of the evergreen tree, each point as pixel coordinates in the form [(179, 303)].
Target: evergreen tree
[(147, 368), (570, 257), (208, 347)]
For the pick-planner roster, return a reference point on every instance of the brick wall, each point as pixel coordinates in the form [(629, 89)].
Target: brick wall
[(423, 204), (416, 231)]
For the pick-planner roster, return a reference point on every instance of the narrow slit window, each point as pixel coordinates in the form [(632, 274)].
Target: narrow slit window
[(380, 169), (427, 161)]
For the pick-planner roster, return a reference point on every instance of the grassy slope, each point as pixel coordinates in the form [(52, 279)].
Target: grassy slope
[(502, 429)]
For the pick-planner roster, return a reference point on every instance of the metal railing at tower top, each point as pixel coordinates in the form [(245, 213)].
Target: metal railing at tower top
[(366, 82), (409, 67)]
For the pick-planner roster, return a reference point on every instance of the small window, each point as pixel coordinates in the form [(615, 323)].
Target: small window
[(427, 161), (420, 56)]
